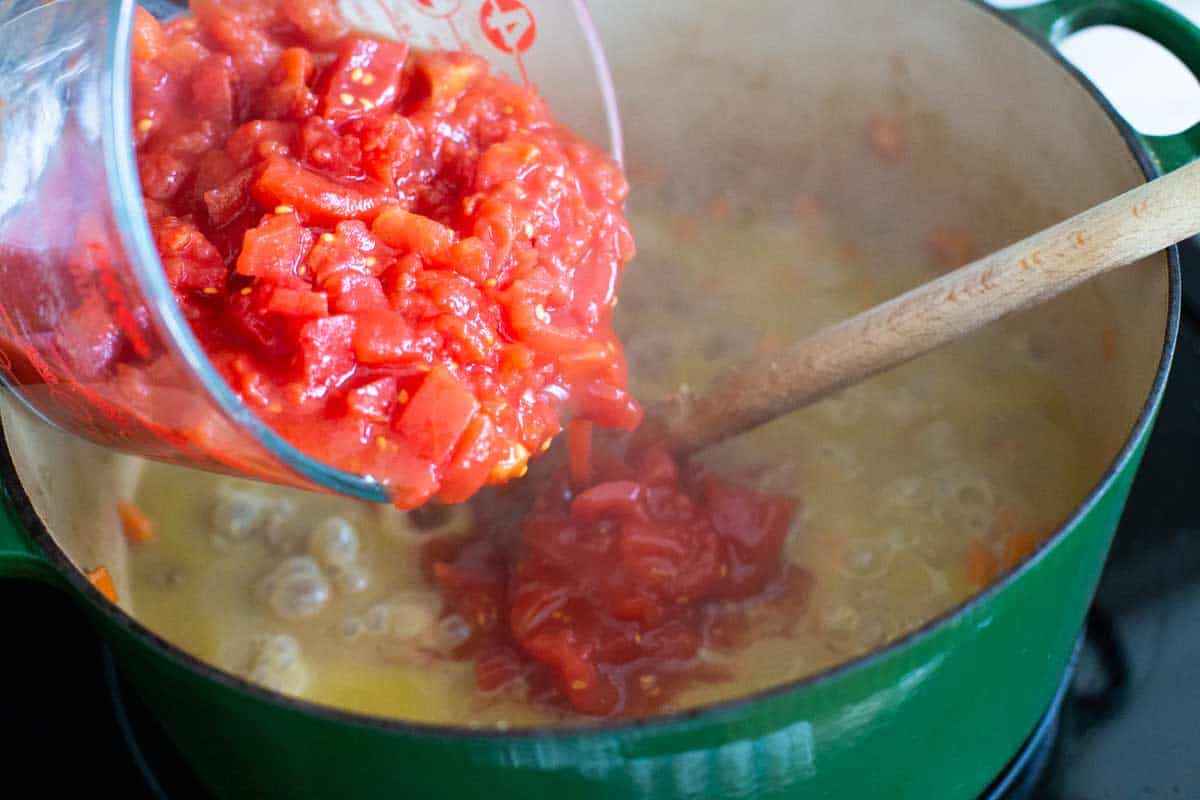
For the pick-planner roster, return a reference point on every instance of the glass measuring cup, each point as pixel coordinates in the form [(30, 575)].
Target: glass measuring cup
[(90, 334)]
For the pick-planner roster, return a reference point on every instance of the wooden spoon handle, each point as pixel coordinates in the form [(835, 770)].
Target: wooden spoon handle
[(1121, 231)]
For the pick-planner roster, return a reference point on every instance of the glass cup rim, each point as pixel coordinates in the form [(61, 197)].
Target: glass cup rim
[(129, 213)]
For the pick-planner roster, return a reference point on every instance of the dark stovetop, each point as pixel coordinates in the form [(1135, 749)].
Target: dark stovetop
[(1130, 722)]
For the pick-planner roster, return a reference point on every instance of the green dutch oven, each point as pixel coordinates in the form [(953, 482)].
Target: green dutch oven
[(935, 714)]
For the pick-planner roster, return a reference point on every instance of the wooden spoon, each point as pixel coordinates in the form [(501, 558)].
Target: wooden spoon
[(1121, 231)]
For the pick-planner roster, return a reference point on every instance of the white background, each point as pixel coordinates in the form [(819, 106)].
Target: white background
[(1148, 86)]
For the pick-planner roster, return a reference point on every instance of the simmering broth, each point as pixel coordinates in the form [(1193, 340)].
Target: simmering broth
[(915, 489)]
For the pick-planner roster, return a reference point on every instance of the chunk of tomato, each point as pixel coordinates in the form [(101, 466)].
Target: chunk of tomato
[(468, 469), (383, 336), (412, 233), (326, 353), (275, 248), (352, 292), (438, 415), (317, 198), (365, 77), (297, 303), (374, 400)]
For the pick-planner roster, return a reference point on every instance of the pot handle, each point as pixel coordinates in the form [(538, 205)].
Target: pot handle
[(1055, 20), (18, 558)]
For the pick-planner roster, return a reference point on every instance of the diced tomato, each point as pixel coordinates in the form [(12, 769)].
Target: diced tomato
[(289, 96), (578, 679), (350, 292), (318, 21), (579, 451), (334, 155), (261, 139), (333, 211), (326, 351), (469, 258), (611, 406), (608, 577), (318, 199), (468, 469), (239, 29), (390, 149), (755, 527), (448, 74), (212, 90), (225, 202), (89, 339), (275, 248), (498, 669), (612, 500), (365, 77), (373, 400), (412, 233), (297, 303), (350, 247), (189, 259), (383, 336), (438, 415), (148, 38), (656, 467), (507, 161), (412, 480)]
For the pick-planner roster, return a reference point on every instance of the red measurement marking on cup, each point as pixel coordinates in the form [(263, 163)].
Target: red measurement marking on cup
[(400, 28), (510, 27), (440, 9), (447, 10)]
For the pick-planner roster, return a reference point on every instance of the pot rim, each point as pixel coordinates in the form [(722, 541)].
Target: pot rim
[(26, 514)]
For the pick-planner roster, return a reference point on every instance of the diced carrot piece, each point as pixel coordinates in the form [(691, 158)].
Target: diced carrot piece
[(412, 233), (138, 527), (1018, 547), (438, 415), (887, 139), (981, 565), (103, 582), (951, 247)]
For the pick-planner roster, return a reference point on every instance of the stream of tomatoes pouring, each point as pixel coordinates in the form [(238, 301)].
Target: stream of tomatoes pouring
[(408, 269)]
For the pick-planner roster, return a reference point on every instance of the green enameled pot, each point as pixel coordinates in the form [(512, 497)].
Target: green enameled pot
[(991, 109)]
